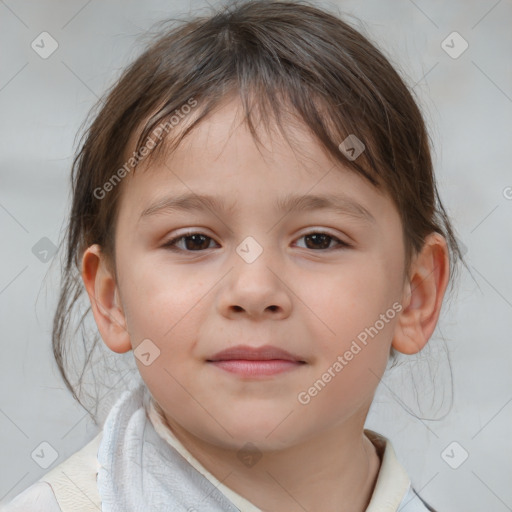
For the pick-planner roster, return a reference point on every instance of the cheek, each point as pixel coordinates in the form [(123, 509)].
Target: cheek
[(160, 302), (357, 315), (349, 366), (163, 307), (351, 296)]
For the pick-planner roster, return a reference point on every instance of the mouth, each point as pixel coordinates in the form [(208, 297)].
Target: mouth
[(247, 361)]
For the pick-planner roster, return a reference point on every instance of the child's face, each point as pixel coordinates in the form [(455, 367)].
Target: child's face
[(306, 295)]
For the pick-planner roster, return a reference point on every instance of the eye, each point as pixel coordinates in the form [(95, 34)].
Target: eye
[(192, 242), (195, 242), (321, 240)]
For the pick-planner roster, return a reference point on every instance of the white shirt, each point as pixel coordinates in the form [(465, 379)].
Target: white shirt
[(72, 486)]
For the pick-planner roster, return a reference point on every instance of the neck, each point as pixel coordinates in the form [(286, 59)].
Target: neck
[(335, 471)]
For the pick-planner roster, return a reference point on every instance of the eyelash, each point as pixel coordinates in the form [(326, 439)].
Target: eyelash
[(171, 244)]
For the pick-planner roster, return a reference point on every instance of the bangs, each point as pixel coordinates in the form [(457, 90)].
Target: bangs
[(278, 79)]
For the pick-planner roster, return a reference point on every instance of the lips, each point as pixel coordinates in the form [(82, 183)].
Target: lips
[(248, 353), (256, 363)]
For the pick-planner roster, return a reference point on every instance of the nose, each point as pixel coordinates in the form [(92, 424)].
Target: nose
[(257, 289)]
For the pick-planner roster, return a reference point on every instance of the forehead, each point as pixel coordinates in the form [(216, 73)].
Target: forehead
[(221, 157)]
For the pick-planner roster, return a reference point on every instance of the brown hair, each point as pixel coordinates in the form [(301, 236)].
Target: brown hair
[(271, 54)]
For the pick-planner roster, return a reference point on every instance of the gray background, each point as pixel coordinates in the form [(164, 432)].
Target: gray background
[(468, 105)]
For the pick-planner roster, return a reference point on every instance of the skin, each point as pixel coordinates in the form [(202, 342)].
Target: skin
[(296, 295)]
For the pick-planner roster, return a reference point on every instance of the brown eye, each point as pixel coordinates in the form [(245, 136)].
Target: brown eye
[(322, 241), (193, 242)]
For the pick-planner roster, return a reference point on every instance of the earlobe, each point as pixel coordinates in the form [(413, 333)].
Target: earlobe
[(423, 296), (105, 300)]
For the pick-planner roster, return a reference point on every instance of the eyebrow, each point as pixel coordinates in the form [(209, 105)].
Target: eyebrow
[(195, 202)]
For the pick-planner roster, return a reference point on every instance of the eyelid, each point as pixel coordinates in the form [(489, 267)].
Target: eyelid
[(178, 236), (319, 231), (324, 231), (340, 243)]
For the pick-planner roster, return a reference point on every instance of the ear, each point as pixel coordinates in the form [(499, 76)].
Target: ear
[(423, 296), (106, 306)]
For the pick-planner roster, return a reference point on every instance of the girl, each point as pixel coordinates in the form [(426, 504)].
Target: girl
[(255, 216)]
